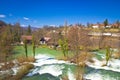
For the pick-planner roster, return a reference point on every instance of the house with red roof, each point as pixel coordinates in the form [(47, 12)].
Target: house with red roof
[(27, 38)]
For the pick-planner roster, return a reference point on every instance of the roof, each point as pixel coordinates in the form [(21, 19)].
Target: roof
[(45, 39), (26, 37), (42, 39)]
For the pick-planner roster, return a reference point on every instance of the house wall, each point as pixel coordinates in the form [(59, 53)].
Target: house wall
[(95, 26)]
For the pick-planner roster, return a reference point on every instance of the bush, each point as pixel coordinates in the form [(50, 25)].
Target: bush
[(30, 59), (84, 56), (23, 59), (23, 71), (65, 78), (7, 65), (62, 58), (116, 55)]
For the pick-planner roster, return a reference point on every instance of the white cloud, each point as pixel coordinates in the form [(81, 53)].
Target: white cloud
[(52, 25), (23, 25), (25, 18), (2, 16)]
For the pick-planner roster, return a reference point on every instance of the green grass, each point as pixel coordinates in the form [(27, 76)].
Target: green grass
[(20, 51), (103, 51), (98, 57)]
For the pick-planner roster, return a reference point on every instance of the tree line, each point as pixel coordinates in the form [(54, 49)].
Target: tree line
[(10, 35)]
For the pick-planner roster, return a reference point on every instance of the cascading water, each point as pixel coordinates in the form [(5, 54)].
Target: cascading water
[(48, 68)]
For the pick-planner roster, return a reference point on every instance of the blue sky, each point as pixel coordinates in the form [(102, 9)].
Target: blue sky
[(55, 12)]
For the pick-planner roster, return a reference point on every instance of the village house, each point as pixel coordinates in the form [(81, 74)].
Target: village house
[(95, 26), (98, 26), (115, 25), (44, 40), (101, 26), (108, 26), (27, 38)]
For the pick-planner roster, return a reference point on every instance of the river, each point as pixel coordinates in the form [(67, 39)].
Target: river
[(48, 68)]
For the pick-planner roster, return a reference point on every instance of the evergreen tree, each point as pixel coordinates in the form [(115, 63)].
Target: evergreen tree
[(29, 30), (33, 45), (105, 22), (25, 46), (108, 54), (64, 46), (118, 24)]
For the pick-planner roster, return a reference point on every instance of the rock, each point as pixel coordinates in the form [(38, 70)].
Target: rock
[(1, 64), (15, 61), (5, 74), (103, 65)]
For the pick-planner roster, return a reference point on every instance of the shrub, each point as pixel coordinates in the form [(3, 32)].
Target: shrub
[(30, 59), (84, 56), (116, 55), (22, 59), (65, 78), (7, 65), (108, 54), (23, 71), (79, 73), (62, 58)]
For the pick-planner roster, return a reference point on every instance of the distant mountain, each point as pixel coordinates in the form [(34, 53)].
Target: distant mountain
[(2, 23), (32, 28)]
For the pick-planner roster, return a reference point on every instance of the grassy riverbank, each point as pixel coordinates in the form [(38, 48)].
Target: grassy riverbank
[(19, 51)]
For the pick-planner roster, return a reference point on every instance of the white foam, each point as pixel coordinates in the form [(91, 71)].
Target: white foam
[(70, 75), (54, 70), (113, 65), (98, 76), (15, 70), (45, 59), (52, 61), (46, 66), (51, 69), (93, 76), (35, 71), (102, 55), (43, 56)]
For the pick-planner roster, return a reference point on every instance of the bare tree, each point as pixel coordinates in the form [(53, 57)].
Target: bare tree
[(5, 43), (78, 39), (79, 43)]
